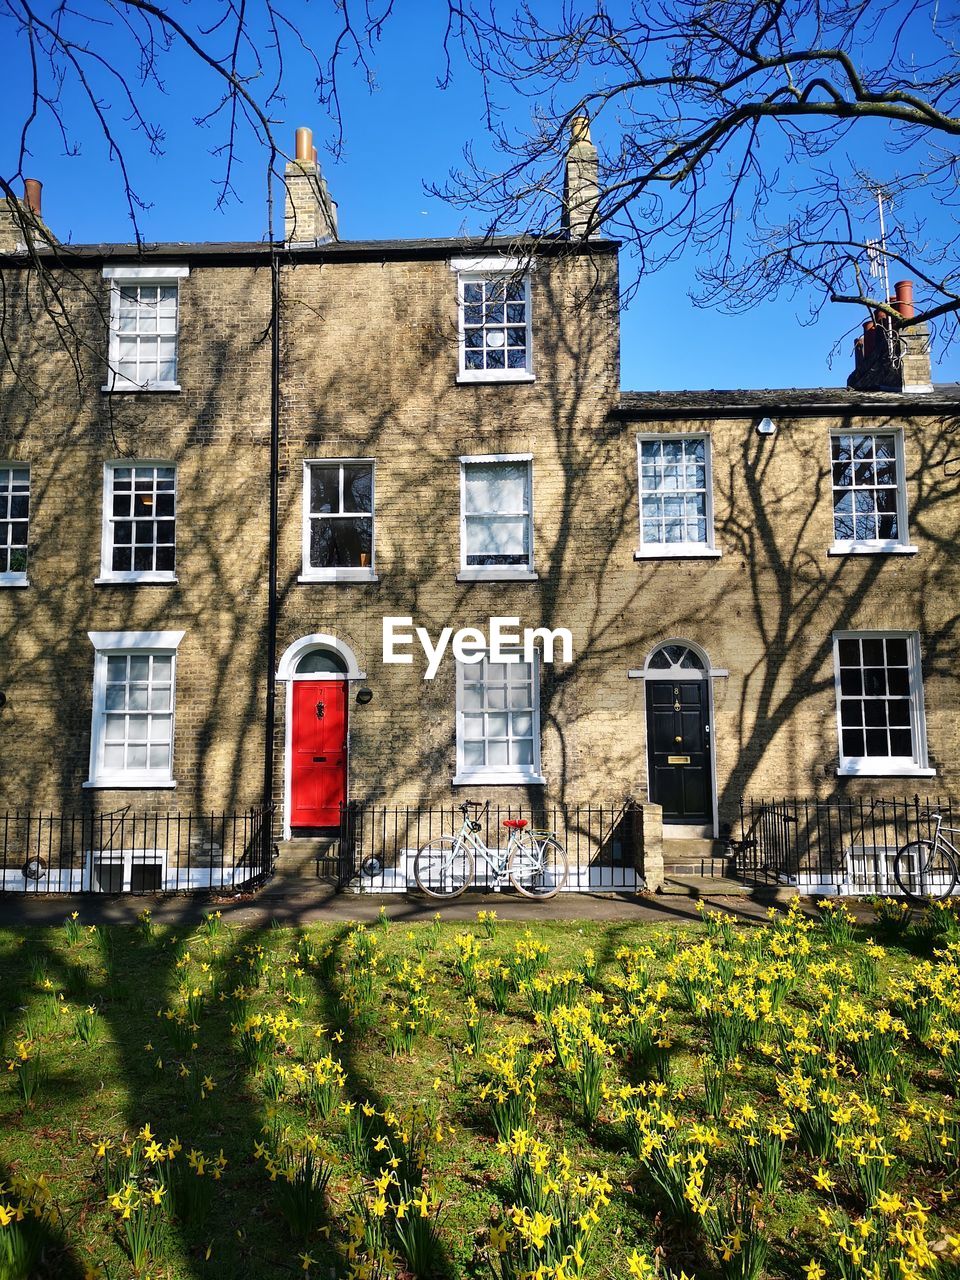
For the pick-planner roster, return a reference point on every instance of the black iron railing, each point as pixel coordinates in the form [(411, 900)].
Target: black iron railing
[(848, 841), (127, 852), (378, 843)]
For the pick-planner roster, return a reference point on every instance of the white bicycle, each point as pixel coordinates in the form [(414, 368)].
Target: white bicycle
[(929, 868), (535, 862)]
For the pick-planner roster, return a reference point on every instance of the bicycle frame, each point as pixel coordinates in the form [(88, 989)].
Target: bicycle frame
[(940, 838), (497, 865)]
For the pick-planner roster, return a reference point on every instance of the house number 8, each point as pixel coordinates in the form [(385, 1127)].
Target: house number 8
[(319, 710)]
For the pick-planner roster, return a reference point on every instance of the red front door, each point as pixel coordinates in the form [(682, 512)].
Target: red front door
[(318, 783)]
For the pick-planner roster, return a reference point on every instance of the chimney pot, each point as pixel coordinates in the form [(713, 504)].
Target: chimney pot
[(31, 195), (905, 305), (580, 129), (882, 319), (305, 151)]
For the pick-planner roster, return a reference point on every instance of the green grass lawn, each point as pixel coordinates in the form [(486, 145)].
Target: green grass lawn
[(558, 1101)]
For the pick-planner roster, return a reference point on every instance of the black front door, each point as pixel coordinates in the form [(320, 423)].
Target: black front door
[(678, 743)]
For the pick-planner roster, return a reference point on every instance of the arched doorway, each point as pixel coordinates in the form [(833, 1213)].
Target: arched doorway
[(679, 750), (317, 670)]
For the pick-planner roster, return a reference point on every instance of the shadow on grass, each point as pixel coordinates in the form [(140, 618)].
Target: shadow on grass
[(36, 1248), (353, 1053), (151, 1073)]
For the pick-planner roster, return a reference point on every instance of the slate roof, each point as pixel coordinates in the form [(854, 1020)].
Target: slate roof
[(344, 250), (795, 401)]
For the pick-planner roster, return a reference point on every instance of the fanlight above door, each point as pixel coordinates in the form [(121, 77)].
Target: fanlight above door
[(670, 657)]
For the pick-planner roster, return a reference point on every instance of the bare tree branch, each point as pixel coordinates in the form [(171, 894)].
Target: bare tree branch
[(724, 131)]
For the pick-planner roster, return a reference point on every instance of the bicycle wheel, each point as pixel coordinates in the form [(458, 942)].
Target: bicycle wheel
[(923, 869), (537, 866), (443, 867)]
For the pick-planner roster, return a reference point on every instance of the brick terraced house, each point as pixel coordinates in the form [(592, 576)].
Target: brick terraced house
[(222, 466)]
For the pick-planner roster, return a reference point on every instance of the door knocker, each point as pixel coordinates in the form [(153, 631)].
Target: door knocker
[(676, 706), (319, 710)]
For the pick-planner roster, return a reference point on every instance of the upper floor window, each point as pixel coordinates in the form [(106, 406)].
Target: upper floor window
[(498, 721), (14, 523), (496, 520), (494, 320), (338, 514), (139, 522), (144, 325), (869, 496), (131, 741), (880, 703), (676, 501)]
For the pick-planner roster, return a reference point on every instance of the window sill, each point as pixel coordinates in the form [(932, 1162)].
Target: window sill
[(871, 549), (137, 580), (878, 770), (13, 582), (491, 778), (127, 784), (340, 575), (683, 551), (493, 375), (497, 573), (148, 387)]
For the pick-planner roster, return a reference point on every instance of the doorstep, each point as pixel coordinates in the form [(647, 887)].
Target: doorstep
[(710, 887)]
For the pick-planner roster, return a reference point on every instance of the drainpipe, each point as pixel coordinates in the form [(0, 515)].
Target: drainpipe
[(271, 712)]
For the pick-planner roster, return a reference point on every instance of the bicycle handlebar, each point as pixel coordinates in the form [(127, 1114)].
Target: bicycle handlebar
[(474, 804)]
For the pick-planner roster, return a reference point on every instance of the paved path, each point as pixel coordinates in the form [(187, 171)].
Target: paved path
[(306, 901)]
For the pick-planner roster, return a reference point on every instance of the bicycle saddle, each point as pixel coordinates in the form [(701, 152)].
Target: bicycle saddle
[(517, 823)]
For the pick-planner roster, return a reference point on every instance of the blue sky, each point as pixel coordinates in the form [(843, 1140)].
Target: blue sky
[(402, 134)]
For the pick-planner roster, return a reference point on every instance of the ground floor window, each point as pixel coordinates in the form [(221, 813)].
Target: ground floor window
[(498, 721), (131, 738), (880, 702)]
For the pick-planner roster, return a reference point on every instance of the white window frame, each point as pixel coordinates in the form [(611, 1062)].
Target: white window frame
[(18, 577), (874, 546), (495, 572), (496, 775), (338, 573), (109, 575), (118, 643), (472, 271), (887, 766), (118, 277), (678, 550)]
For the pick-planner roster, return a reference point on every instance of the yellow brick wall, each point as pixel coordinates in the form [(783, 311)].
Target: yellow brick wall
[(369, 365), (216, 430)]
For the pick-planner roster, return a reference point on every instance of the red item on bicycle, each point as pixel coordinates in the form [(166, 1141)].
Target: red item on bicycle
[(518, 823)]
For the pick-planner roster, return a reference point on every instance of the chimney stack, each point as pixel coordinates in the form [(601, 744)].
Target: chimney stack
[(16, 216), (892, 359), (581, 192), (310, 216)]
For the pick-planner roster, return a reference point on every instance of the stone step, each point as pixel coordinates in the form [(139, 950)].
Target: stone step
[(697, 857), (700, 867), (689, 849), (300, 857), (704, 887)]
